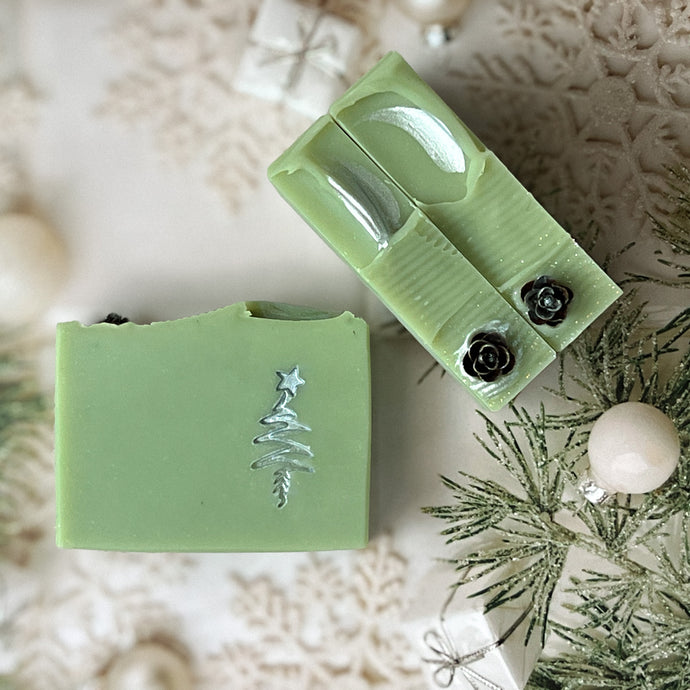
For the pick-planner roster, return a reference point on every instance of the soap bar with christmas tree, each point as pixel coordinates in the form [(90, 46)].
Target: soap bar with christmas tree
[(418, 141), (244, 429)]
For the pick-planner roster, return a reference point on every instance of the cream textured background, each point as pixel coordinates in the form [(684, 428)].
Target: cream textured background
[(119, 125)]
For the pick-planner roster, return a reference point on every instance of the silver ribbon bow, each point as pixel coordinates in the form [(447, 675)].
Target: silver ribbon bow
[(307, 52), (448, 660)]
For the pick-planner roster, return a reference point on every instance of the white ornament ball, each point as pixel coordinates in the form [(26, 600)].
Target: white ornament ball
[(32, 268), (443, 12), (633, 448), (149, 666)]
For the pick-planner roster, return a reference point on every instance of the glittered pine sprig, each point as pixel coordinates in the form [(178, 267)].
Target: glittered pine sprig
[(621, 361), (21, 405), (633, 638), (20, 402), (632, 616), (674, 231), (521, 525)]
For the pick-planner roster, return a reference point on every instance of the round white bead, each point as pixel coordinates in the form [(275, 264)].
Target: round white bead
[(32, 268), (149, 666), (444, 12), (633, 448)]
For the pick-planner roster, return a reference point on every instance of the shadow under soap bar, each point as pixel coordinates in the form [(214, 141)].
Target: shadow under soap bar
[(244, 429)]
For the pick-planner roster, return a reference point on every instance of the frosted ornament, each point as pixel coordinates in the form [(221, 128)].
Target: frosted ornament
[(436, 16), (32, 268), (149, 666), (633, 448), (444, 12)]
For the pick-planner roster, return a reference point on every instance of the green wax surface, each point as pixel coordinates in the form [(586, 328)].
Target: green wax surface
[(156, 429), (444, 301), (419, 142), (439, 228), (414, 269), (335, 186)]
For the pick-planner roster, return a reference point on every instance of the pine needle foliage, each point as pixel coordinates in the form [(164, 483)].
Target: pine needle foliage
[(674, 231), (21, 404), (632, 611), (521, 525)]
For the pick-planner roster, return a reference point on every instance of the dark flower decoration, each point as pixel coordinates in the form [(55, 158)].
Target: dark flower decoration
[(547, 301), (115, 319), (488, 357)]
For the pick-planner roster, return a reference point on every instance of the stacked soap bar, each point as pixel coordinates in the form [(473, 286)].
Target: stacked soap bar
[(443, 233), (245, 429)]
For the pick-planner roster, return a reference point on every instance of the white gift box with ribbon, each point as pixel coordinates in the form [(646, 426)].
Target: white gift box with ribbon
[(464, 648), (297, 54)]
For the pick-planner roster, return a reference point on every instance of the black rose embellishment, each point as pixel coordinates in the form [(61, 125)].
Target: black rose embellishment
[(488, 357), (547, 301)]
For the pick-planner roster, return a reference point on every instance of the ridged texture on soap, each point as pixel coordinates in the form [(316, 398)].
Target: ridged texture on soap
[(422, 277), (500, 229), (443, 301)]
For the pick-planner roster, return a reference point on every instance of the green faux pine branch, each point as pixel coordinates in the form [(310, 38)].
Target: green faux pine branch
[(521, 524), (674, 231), (21, 404), (620, 361), (19, 400), (634, 629)]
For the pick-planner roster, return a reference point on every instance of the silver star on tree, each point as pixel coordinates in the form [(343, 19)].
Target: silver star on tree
[(290, 381)]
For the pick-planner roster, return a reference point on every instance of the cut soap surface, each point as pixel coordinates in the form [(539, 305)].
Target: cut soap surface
[(418, 184), (155, 429)]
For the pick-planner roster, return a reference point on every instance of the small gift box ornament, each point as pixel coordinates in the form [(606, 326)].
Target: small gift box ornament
[(465, 648), (297, 54)]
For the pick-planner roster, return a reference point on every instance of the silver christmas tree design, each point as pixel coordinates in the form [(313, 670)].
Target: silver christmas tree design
[(287, 455)]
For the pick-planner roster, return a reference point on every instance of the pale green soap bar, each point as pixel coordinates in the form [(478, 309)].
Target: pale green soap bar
[(401, 255), (340, 192), (410, 132), (244, 429), (445, 302)]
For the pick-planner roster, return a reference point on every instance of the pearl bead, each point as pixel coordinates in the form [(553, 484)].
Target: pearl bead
[(149, 666), (443, 12), (32, 268), (633, 448)]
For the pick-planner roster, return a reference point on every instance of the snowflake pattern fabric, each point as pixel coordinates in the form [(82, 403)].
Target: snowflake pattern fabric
[(588, 103), (182, 57), (334, 624), (330, 628)]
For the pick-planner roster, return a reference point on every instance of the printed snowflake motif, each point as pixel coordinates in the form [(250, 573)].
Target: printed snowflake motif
[(587, 101), (329, 629), (78, 619), (182, 56), (27, 503), (17, 117)]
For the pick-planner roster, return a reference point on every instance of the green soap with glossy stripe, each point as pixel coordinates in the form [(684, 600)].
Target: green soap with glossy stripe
[(465, 190), (244, 429), (398, 253), (442, 232)]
